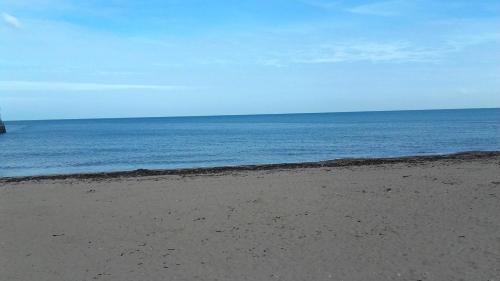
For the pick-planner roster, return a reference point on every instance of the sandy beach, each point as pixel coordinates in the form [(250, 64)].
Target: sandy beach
[(416, 218)]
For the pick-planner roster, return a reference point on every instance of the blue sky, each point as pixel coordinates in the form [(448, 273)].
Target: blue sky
[(121, 58)]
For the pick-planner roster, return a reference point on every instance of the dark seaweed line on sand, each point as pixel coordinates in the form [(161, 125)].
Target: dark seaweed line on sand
[(470, 155)]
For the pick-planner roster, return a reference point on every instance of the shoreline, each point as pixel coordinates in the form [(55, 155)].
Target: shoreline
[(343, 162)]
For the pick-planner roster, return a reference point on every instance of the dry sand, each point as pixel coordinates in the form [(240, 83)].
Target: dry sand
[(425, 219)]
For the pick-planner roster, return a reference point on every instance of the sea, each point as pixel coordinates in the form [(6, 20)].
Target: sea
[(102, 145)]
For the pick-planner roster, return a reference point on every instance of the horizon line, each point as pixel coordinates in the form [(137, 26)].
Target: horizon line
[(238, 115)]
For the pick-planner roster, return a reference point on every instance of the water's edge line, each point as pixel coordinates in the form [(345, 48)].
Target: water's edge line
[(468, 155)]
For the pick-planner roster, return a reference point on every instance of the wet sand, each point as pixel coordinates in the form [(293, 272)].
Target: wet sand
[(415, 218)]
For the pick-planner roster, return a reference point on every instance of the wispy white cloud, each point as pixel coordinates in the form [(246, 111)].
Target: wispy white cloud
[(324, 4), (271, 62), (11, 20), (397, 52), (384, 8), (460, 42), (402, 51), (68, 86)]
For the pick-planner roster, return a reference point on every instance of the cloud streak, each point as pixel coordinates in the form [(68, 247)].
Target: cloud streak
[(323, 4), (91, 87), (375, 52), (384, 8), (462, 42), (381, 52), (11, 21)]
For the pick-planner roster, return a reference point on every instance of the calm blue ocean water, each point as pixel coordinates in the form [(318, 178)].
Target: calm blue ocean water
[(71, 146)]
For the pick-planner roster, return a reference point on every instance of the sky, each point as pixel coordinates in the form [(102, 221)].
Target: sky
[(132, 58)]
